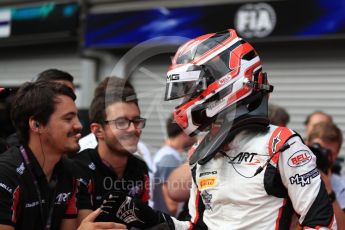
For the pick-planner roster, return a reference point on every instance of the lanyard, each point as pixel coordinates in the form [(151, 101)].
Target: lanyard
[(38, 191)]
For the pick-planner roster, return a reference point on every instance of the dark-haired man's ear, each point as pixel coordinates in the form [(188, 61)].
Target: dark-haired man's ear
[(97, 130), (34, 125)]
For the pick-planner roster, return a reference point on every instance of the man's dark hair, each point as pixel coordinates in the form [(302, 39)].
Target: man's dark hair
[(307, 120), (36, 100), (173, 129), (54, 75), (110, 90)]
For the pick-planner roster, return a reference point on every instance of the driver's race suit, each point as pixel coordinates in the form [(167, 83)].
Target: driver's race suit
[(225, 194)]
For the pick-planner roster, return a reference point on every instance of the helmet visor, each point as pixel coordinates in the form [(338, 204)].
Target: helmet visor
[(182, 84)]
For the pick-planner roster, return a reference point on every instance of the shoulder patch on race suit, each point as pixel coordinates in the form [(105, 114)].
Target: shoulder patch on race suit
[(278, 138), (304, 178), (299, 158)]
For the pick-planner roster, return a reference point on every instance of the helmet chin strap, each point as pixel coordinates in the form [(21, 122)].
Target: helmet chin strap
[(227, 125)]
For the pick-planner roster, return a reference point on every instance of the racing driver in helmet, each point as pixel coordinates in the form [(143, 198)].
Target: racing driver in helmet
[(246, 173)]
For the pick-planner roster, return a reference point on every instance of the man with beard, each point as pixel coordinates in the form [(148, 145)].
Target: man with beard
[(36, 187), (115, 121)]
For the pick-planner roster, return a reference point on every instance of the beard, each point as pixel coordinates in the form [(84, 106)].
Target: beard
[(119, 149), (73, 150)]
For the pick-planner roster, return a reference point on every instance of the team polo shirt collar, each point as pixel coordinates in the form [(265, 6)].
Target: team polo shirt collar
[(36, 167), (129, 170)]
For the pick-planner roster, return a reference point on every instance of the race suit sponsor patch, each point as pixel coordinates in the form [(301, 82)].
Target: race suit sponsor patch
[(207, 182), (305, 178), (207, 199), (207, 173), (299, 158)]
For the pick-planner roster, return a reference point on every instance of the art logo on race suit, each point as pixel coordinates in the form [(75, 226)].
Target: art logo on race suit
[(245, 158)]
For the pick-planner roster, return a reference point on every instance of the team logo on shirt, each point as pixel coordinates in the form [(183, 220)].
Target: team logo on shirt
[(20, 169), (62, 198), (7, 188), (304, 178), (92, 166), (299, 158), (207, 182), (135, 190), (32, 204)]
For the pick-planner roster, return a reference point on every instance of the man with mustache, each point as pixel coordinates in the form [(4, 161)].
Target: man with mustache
[(37, 190), (48, 75), (116, 122)]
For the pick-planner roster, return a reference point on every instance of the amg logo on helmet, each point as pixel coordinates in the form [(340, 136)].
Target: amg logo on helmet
[(173, 77)]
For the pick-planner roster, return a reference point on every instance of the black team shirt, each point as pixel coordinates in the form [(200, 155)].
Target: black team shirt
[(98, 180), (19, 203)]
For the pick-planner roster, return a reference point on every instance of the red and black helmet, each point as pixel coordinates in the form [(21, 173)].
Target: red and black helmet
[(212, 73)]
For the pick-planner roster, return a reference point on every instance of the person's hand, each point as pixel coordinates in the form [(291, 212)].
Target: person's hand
[(89, 224), (134, 213), (326, 178)]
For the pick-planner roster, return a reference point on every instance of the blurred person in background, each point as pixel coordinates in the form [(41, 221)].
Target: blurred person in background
[(278, 115), (111, 167), (166, 160), (314, 118), (6, 96), (179, 184), (4, 93), (58, 76), (329, 136)]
